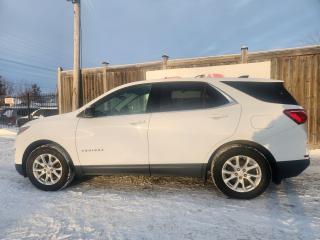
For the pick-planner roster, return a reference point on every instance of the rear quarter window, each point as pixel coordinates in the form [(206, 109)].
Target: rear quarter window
[(272, 92)]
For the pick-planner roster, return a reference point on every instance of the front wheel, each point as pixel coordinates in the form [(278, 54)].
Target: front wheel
[(241, 172), (48, 168)]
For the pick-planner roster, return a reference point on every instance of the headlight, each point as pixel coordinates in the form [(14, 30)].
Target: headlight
[(22, 129)]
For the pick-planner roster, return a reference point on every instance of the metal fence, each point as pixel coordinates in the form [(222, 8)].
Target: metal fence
[(17, 110)]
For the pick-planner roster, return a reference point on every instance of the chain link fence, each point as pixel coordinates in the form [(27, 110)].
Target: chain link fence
[(18, 110)]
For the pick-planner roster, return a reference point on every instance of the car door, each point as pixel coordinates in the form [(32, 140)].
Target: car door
[(115, 139), (189, 119)]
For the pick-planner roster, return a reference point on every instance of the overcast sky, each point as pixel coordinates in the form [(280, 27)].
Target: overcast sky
[(36, 35)]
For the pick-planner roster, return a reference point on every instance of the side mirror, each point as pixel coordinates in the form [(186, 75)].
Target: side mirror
[(88, 112)]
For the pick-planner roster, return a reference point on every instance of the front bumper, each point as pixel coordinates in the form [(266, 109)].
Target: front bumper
[(287, 169), (19, 169)]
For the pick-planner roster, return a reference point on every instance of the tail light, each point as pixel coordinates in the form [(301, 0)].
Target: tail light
[(297, 115)]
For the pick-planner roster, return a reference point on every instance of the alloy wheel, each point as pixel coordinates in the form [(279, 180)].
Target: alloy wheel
[(241, 173), (47, 169)]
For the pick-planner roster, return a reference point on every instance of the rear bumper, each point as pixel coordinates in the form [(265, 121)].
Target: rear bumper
[(287, 169)]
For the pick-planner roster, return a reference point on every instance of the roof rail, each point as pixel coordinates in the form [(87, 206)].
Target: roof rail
[(200, 76)]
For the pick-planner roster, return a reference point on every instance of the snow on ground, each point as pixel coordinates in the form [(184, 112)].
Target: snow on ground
[(155, 208), (8, 133)]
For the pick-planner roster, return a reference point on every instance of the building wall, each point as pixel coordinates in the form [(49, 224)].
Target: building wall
[(254, 70)]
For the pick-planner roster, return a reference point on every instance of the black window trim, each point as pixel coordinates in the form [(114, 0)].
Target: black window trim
[(230, 100)]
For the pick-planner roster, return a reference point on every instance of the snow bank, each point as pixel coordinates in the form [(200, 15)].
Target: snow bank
[(8, 133)]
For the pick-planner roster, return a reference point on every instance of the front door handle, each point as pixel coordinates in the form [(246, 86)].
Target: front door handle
[(137, 123), (218, 116)]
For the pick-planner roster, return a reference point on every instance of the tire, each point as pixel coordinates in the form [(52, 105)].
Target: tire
[(46, 176), (245, 180)]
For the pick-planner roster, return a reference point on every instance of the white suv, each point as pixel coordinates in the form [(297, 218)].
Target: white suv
[(244, 132)]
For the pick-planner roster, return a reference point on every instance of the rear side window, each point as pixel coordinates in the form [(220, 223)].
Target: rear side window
[(181, 96), (175, 96), (273, 92)]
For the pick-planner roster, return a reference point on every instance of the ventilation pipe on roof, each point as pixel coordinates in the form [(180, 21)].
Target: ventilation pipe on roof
[(244, 54), (165, 59), (105, 64)]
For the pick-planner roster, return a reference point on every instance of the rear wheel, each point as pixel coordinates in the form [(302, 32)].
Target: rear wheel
[(48, 168), (241, 172)]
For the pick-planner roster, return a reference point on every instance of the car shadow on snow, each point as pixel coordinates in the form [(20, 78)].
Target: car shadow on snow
[(135, 184), (286, 209), (294, 198), (141, 182), (284, 201)]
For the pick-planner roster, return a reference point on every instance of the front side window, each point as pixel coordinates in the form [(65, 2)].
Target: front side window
[(131, 100), (177, 96)]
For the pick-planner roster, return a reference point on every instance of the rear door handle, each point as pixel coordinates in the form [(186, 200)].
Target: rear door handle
[(138, 123), (218, 116)]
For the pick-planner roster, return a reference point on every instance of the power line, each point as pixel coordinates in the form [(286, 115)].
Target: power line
[(27, 65), (26, 73), (28, 54), (23, 49), (24, 40), (36, 75), (30, 58), (8, 67)]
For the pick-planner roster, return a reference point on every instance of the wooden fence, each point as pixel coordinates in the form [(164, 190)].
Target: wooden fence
[(299, 68)]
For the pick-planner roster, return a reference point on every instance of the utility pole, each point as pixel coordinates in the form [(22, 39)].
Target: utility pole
[(76, 55)]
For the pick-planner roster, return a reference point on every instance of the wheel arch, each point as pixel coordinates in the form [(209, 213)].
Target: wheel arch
[(264, 151), (37, 144)]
